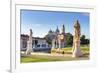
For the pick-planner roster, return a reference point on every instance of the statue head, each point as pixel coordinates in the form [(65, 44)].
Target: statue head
[(77, 28), (63, 29), (31, 31), (77, 24)]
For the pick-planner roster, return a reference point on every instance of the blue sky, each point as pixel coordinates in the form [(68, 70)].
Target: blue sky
[(42, 21)]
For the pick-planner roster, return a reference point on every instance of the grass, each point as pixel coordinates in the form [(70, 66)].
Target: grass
[(38, 58), (48, 58), (84, 49)]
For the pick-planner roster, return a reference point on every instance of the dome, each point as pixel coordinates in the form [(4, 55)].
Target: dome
[(50, 31)]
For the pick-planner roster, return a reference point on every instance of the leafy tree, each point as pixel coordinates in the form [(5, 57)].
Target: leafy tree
[(83, 37), (84, 41), (48, 39), (69, 39)]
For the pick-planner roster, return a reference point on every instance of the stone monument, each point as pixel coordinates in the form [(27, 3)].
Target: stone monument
[(76, 51), (61, 41), (29, 43)]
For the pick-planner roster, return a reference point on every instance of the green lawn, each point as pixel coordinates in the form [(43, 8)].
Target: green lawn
[(46, 58), (84, 49), (38, 58)]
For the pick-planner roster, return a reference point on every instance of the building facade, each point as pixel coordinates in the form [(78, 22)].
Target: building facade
[(57, 39), (37, 43)]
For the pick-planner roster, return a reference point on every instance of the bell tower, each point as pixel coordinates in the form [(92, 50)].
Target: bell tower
[(63, 29), (57, 30)]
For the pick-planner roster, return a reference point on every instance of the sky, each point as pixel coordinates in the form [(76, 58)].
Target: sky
[(42, 21)]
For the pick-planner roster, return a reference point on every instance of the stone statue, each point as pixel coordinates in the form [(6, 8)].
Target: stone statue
[(61, 41), (29, 43), (76, 51), (53, 44)]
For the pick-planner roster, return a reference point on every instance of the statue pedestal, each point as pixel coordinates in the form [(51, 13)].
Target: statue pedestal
[(77, 52)]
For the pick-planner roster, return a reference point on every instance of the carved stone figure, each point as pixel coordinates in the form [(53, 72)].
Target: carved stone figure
[(29, 43), (76, 51)]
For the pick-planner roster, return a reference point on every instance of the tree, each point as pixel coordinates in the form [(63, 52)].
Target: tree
[(83, 40), (48, 39), (83, 37), (69, 39)]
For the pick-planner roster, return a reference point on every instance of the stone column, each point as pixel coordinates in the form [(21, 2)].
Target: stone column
[(56, 45), (62, 40), (34, 43), (76, 51), (29, 43), (53, 44), (60, 44)]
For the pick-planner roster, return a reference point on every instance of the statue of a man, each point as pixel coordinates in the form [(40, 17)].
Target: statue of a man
[(29, 43), (76, 51)]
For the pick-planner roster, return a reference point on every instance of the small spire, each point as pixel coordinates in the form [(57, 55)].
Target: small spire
[(57, 30)]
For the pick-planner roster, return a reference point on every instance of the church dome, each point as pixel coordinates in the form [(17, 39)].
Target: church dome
[(50, 31)]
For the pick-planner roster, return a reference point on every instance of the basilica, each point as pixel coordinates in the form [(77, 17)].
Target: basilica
[(57, 38)]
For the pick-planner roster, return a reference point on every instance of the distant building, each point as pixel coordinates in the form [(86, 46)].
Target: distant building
[(58, 40), (53, 39), (24, 38), (40, 43), (37, 43)]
